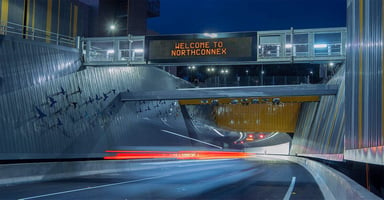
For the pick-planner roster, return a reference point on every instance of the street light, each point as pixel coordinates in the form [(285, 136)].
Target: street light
[(112, 29), (211, 69), (248, 79), (309, 76), (224, 72)]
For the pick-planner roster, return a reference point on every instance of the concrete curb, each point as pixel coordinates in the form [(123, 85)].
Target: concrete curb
[(333, 184)]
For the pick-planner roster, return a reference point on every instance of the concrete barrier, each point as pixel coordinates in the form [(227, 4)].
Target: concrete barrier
[(332, 183)]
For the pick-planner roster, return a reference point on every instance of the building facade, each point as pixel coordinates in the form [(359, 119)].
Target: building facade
[(127, 17)]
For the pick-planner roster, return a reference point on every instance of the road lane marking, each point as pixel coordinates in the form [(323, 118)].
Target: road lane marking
[(216, 131), (173, 133), (185, 161), (91, 188), (290, 189)]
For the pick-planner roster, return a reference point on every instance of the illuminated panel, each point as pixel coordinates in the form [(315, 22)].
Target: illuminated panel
[(263, 117), (200, 48)]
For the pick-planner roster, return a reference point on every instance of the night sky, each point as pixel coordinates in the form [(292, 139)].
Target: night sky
[(199, 16)]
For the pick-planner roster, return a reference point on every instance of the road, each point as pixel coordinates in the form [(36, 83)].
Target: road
[(202, 179)]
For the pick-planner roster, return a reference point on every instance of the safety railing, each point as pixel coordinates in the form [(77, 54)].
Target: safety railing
[(31, 33), (294, 46), (113, 50), (301, 45)]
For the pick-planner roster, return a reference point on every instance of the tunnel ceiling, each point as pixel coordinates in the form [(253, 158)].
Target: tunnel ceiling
[(278, 114), (258, 117)]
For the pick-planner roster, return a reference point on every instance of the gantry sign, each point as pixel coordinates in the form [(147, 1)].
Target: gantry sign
[(201, 48)]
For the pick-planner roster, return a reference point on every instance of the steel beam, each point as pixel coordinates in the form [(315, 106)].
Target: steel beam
[(231, 92)]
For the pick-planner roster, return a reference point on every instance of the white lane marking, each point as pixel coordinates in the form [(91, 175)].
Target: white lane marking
[(290, 189), (185, 161), (240, 138), (91, 188), (217, 132), (192, 139)]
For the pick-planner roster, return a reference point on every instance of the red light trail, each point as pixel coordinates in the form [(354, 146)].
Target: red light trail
[(182, 155)]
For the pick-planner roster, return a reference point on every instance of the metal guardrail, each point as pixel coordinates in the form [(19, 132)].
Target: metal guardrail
[(31, 33)]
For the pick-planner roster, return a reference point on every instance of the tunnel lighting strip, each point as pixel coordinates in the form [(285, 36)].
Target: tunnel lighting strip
[(192, 139)]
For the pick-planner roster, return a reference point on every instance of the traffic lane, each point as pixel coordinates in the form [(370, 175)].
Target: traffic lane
[(272, 184), (220, 179), (160, 181)]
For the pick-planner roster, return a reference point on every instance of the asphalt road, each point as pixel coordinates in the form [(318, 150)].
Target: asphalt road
[(213, 179)]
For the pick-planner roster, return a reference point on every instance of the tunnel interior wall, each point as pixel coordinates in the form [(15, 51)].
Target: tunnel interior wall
[(364, 137), (320, 128), (79, 114)]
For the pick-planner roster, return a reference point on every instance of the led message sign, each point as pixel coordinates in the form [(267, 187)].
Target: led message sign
[(197, 49)]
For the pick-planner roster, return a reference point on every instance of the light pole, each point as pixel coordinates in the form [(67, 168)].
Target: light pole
[(224, 72), (191, 70), (211, 70), (247, 72), (309, 76), (262, 72)]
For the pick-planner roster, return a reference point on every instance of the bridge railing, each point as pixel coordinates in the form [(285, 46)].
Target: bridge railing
[(113, 50), (286, 46), (301, 45), (31, 33)]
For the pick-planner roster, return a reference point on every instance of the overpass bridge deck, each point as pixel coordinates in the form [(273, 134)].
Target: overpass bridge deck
[(270, 47), (231, 92)]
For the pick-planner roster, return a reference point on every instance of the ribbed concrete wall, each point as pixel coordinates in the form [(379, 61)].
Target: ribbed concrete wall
[(25, 63), (320, 128), (78, 114), (364, 81)]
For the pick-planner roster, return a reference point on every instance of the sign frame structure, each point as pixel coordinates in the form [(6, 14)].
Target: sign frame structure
[(189, 48)]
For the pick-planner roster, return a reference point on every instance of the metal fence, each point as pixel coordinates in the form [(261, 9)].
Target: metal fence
[(31, 33), (230, 81)]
